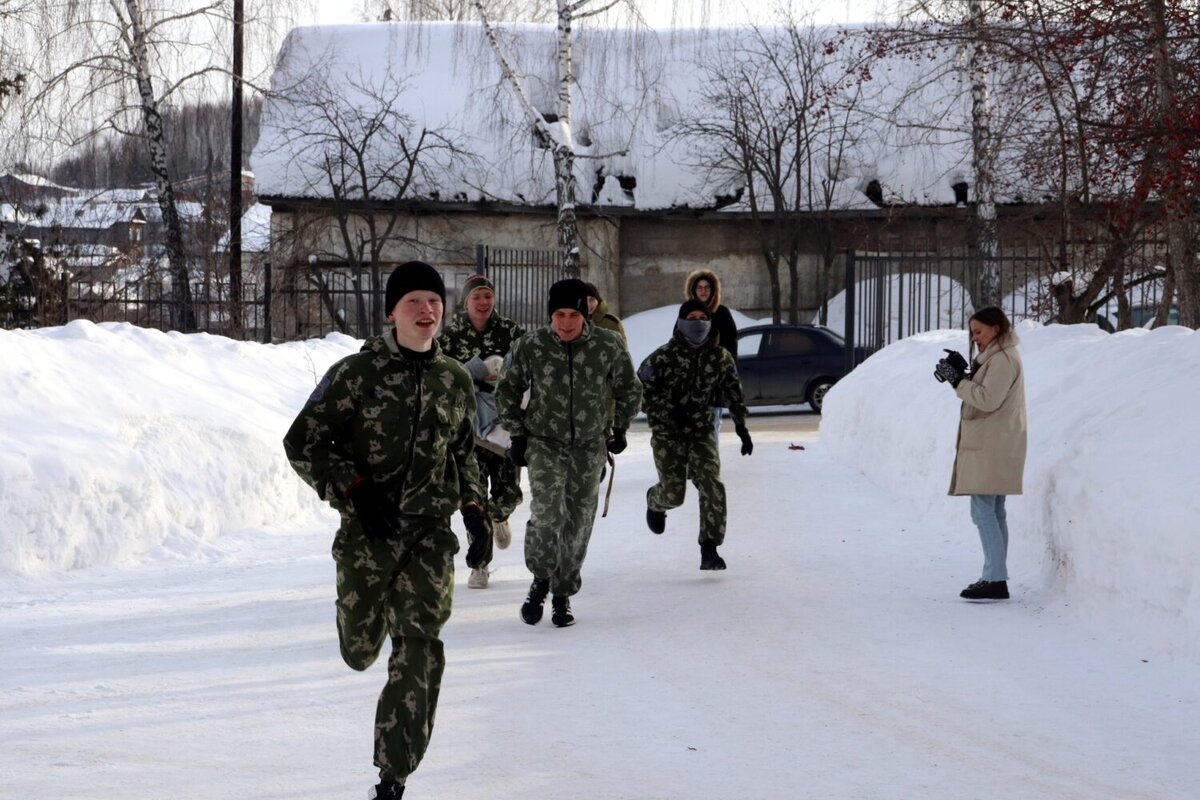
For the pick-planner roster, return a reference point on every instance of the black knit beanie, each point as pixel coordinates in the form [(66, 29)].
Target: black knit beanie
[(412, 276), (693, 305), (569, 293)]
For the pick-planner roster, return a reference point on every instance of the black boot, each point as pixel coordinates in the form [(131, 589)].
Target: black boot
[(531, 609), (388, 791), (986, 590), (709, 558), (657, 520), (561, 616)]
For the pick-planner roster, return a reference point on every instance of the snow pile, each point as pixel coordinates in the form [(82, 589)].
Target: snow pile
[(1110, 506), (124, 445), (120, 442)]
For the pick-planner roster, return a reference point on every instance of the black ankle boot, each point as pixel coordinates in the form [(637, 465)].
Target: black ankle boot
[(986, 590), (657, 520), (709, 559), (531, 609), (561, 616), (388, 791)]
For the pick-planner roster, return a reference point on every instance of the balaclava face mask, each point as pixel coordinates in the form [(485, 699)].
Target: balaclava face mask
[(694, 331)]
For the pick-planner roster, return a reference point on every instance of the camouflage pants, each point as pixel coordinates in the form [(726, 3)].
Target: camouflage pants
[(503, 496), (697, 458), (400, 588), (563, 483)]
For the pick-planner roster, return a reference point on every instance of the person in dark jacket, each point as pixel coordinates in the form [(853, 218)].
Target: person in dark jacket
[(682, 381), (387, 439), (568, 368), (705, 286), (472, 337)]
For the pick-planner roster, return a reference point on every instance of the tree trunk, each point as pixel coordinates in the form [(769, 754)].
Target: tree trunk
[(983, 162), (182, 315), (562, 147), (1179, 252), (564, 151)]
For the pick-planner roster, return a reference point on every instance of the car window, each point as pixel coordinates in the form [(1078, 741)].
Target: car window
[(748, 345), (791, 343)]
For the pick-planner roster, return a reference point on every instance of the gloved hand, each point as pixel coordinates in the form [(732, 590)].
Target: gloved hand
[(678, 417), (955, 359), (744, 435), (945, 371), (476, 525), (376, 512), (616, 441), (516, 450)]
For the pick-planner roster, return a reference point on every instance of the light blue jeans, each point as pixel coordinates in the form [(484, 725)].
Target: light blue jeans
[(987, 512)]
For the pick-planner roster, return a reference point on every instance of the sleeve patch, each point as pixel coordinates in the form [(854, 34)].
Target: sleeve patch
[(318, 394)]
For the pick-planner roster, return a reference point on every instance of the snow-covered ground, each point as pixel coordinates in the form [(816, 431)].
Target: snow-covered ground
[(166, 596)]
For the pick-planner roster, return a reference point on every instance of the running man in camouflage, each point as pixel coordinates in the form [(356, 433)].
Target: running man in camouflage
[(387, 439), (472, 336), (568, 367), (683, 381)]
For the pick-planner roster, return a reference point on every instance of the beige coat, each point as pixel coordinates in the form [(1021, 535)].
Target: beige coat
[(990, 453)]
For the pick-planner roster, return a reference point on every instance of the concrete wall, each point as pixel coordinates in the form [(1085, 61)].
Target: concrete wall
[(641, 262)]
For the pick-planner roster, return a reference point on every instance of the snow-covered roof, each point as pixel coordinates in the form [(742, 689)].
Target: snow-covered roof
[(256, 230), (633, 89), (101, 210)]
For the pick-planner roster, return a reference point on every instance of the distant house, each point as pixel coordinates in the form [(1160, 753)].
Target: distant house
[(650, 212)]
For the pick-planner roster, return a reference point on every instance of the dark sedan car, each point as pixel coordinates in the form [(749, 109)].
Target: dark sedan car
[(785, 364)]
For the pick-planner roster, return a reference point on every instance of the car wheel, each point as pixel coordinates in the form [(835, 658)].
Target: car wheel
[(817, 392)]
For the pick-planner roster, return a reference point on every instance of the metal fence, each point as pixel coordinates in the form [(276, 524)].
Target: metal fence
[(889, 296), (148, 303), (522, 278)]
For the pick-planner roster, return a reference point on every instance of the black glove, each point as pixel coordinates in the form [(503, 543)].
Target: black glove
[(616, 442), (744, 435), (476, 525), (516, 450), (376, 512), (678, 417), (955, 359), (945, 371)]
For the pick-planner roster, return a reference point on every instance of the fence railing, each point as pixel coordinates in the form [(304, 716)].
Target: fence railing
[(889, 296), (148, 303)]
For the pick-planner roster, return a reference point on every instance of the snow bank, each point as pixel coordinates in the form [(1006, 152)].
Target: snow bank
[(122, 442), (1111, 504)]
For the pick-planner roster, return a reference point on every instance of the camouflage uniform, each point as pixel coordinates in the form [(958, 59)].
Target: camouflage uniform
[(404, 422), (462, 342), (567, 425), (677, 376)]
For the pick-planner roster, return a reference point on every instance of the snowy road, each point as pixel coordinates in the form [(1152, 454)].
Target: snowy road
[(832, 660)]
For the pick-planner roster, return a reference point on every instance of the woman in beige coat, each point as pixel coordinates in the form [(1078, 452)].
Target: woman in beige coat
[(990, 455)]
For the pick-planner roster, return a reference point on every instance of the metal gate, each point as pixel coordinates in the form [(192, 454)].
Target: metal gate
[(893, 295), (522, 279)]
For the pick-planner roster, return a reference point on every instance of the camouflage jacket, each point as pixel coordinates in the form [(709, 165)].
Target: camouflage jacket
[(403, 422), (462, 342), (603, 318), (696, 379), (568, 383)]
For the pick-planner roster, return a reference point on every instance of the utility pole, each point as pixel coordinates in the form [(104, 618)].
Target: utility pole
[(235, 176)]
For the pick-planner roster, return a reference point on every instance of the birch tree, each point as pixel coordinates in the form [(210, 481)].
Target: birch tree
[(1108, 133), (112, 68), (556, 136)]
